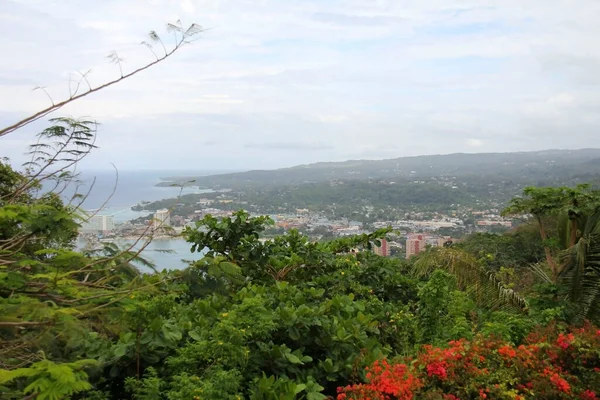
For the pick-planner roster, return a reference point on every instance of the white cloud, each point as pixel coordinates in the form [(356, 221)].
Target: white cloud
[(351, 78), (474, 142), (188, 7)]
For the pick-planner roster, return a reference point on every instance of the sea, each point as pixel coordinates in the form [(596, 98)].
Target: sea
[(131, 188)]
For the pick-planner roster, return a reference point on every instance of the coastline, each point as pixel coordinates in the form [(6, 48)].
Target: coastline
[(153, 237)]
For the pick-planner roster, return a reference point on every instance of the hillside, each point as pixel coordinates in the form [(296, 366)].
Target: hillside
[(522, 167)]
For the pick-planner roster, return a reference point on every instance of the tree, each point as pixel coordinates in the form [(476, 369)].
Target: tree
[(54, 301), (573, 249), (546, 205), (580, 266)]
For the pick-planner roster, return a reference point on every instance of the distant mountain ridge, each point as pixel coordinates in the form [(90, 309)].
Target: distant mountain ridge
[(518, 166)]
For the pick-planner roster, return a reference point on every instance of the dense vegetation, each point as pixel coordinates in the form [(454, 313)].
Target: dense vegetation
[(290, 318), (347, 197)]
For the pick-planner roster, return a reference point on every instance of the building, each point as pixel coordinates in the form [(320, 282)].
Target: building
[(162, 219), (382, 250), (98, 223), (507, 224), (414, 245)]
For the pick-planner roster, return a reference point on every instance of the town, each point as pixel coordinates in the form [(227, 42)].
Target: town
[(410, 236)]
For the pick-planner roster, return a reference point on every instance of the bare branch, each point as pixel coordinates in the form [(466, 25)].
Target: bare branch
[(42, 113), (109, 197), (84, 77), (24, 323), (43, 89)]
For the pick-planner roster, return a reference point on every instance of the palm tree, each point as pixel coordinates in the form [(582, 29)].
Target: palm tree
[(580, 264), (573, 256), (471, 276)]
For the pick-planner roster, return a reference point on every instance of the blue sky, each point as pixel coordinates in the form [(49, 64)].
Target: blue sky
[(280, 83)]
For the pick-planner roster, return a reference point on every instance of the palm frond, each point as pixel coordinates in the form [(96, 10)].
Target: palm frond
[(481, 285), (541, 272), (581, 274)]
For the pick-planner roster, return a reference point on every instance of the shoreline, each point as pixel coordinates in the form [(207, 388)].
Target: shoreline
[(159, 237), (136, 237)]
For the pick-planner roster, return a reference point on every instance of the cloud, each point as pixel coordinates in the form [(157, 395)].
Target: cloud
[(188, 7), (280, 83), (293, 146), (474, 142), (350, 20)]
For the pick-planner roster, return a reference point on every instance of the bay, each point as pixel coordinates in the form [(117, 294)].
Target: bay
[(131, 188), (167, 254)]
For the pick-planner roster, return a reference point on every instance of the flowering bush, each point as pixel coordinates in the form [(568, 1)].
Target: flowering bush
[(548, 365)]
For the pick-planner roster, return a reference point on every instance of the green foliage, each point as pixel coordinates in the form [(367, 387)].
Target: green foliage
[(443, 310), (271, 388), (50, 381), (478, 281), (572, 249), (281, 318), (515, 249), (147, 388), (510, 327)]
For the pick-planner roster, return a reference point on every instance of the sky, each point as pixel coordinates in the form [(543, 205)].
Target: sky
[(272, 84)]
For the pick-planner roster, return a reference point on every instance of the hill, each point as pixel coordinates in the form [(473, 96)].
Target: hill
[(521, 167)]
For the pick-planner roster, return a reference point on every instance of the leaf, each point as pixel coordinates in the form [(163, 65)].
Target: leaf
[(195, 335), (293, 358), (171, 332), (306, 358), (300, 387), (229, 268), (120, 350), (294, 333)]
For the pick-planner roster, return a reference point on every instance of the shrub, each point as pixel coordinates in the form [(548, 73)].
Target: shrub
[(548, 365)]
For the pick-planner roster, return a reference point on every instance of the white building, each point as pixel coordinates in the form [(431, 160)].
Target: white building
[(162, 219), (98, 223)]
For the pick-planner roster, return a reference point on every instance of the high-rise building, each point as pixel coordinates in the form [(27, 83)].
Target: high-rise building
[(382, 250), (98, 223), (414, 245), (162, 219)]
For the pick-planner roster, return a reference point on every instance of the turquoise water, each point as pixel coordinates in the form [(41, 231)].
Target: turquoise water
[(166, 254), (133, 187), (178, 257)]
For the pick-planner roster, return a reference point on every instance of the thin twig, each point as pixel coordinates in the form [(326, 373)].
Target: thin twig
[(56, 106)]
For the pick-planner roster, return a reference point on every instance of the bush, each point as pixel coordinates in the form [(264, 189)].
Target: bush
[(549, 365)]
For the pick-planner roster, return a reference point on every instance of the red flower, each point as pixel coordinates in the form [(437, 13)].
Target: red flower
[(507, 351), (437, 369), (543, 366), (565, 341), (558, 381), (588, 395)]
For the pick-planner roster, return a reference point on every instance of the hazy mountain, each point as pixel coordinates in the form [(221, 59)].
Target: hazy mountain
[(559, 165)]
